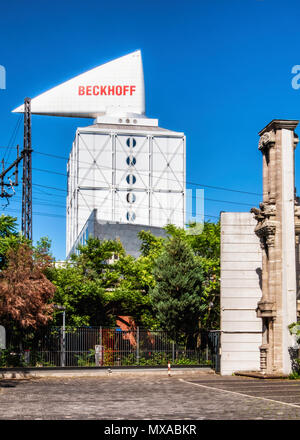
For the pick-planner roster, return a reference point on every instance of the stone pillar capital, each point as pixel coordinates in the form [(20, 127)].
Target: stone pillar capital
[(279, 124), (267, 140), (267, 134)]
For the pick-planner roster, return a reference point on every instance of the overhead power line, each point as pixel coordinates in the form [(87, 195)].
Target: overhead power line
[(146, 174), (103, 182)]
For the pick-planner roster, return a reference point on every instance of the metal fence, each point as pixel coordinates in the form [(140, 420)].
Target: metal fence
[(97, 346)]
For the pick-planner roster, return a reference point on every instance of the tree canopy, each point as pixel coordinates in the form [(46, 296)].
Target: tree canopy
[(25, 291), (173, 284), (178, 293)]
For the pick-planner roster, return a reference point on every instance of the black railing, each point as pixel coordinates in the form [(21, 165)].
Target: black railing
[(98, 346)]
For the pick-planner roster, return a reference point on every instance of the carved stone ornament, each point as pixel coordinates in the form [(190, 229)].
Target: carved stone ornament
[(266, 230), (265, 309), (265, 211), (266, 140), (297, 218), (266, 225)]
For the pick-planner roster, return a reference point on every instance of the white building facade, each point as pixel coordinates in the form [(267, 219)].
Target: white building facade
[(130, 173)]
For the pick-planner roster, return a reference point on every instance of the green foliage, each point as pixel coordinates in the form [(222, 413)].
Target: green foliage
[(8, 226), (151, 245), (161, 358), (295, 330), (177, 296), (86, 360), (295, 375), (94, 255), (207, 244), (82, 297), (102, 282), (9, 237), (43, 247), (11, 359), (206, 247)]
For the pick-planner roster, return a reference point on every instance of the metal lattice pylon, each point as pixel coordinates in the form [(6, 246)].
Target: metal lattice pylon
[(27, 174)]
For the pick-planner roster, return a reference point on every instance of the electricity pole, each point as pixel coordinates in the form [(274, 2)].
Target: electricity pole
[(27, 174)]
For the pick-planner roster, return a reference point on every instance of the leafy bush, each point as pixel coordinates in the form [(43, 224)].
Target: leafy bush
[(294, 375), (86, 360), (161, 359), (11, 359)]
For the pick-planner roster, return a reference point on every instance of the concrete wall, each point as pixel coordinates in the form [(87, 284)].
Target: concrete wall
[(126, 233), (241, 262)]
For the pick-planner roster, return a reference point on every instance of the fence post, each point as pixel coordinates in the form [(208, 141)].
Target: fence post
[(102, 348), (63, 342), (138, 345), (173, 352)]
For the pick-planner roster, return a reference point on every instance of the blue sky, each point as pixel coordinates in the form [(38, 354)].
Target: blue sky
[(219, 70)]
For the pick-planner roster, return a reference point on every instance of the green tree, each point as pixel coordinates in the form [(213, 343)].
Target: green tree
[(151, 246), (206, 248), (102, 283), (177, 296), (86, 284), (83, 298), (9, 237), (131, 296)]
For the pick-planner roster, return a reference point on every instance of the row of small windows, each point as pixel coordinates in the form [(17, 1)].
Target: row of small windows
[(131, 179)]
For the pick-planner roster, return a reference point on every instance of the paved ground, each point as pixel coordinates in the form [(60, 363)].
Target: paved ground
[(188, 397)]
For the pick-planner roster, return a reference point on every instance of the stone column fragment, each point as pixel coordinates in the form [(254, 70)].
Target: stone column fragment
[(278, 221)]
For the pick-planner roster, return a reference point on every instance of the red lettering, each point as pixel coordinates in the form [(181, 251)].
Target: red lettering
[(103, 90), (111, 89), (94, 90), (106, 90), (81, 90)]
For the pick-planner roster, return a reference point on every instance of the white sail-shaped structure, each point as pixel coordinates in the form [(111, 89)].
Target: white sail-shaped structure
[(114, 88)]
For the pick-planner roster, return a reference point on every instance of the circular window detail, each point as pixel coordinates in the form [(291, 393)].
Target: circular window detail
[(131, 142), (131, 197), (131, 161), (130, 216), (131, 179)]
